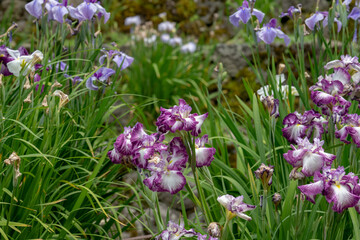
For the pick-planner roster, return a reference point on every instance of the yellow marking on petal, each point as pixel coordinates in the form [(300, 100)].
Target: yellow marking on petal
[(23, 63)]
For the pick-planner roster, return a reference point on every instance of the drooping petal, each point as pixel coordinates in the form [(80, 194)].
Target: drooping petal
[(312, 189), (171, 181), (258, 14), (341, 196), (204, 156), (34, 8)]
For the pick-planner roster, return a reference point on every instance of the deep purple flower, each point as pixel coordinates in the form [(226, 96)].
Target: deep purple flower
[(310, 157), (34, 8), (102, 75), (310, 124), (268, 33), (204, 155), (121, 59), (244, 13), (349, 126), (235, 206), (179, 118), (338, 188)]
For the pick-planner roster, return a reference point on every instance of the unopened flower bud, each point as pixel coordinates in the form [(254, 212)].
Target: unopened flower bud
[(272, 105), (276, 199), (294, 174), (214, 230), (264, 173)]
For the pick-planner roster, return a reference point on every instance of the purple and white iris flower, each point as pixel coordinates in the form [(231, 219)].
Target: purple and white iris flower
[(178, 118), (330, 98), (338, 188), (204, 155), (309, 156), (269, 31), (176, 232), (121, 59), (167, 26), (34, 8), (346, 61), (5, 58), (188, 48), (87, 10), (313, 21), (349, 126), (235, 206), (102, 76), (21, 63), (310, 124), (284, 89), (166, 168), (244, 13)]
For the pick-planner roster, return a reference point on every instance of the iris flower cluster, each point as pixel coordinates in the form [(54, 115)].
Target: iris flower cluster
[(86, 11), (163, 164), (332, 94), (267, 33)]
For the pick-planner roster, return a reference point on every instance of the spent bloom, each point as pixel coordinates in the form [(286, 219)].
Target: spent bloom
[(269, 31), (310, 124), (338, 188), (235, 206), (309, 156), (14, 160), (178, 118), (244, 13)]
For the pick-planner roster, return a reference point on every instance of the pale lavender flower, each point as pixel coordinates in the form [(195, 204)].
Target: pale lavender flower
[(188, 48), (166, 26), (134, 20), (175, 41), (354, 14), (313, 21), (101, 76), (165, 38), (309, 156), (56, 10), (121, 59), (34, 8), (290, 12), (337, 187), (87, 10), (268, 33), (235, 206), (244, 13)]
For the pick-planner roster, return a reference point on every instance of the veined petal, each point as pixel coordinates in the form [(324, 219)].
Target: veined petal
[(334, 64), (292, 133), (204, 156), (312, 162), (35, 8), (226, 200), (258, 14), (267, 34), (87, 10), (311, 21), (321, 98), (312, 189), (354, 132), (341, 196), (200, 120), (171, 181)]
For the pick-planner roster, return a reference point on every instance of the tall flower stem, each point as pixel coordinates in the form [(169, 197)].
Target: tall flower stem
[(263, 213)]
